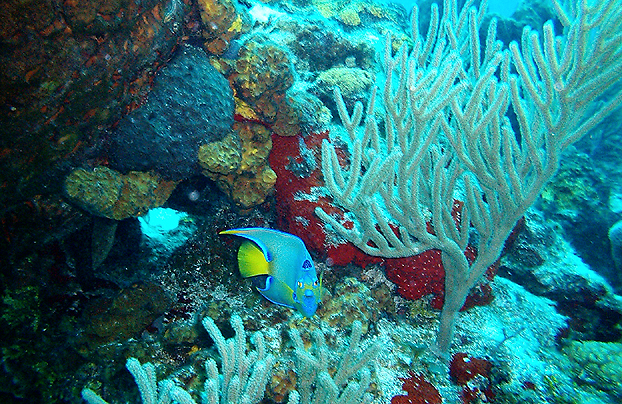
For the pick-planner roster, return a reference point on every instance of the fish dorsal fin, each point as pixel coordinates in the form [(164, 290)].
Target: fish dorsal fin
[(251, 260), (256, 235)]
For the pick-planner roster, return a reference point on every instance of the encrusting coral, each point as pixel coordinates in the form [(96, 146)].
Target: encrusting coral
[(239, 164), (108, 193), (222, 157), (597, 364), (353, 82), (222, 22), (260, 77)]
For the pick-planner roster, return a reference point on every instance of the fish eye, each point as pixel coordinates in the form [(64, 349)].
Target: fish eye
[(315, 283), (299, 284)]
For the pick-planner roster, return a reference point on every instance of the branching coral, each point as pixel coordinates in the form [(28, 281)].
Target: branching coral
[(317, 385), (447, 133), (244, 374)]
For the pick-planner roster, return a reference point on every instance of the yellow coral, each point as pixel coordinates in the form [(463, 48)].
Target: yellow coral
[(329, 8), (237, 25), (349, 12), (287, 122), (239, 164), (244, 110), (350, 16), (221, 22), (221, 157), (376, 11), (351, 81), (256, 146), (260, 76), (249, 191), (94, 191), (108, 193), (217, 15)]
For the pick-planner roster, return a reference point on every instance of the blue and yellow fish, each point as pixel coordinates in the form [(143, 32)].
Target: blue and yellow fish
[(281, 268)]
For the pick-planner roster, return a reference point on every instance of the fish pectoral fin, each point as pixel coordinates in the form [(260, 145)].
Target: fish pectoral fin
[(278, 292), (262, 282), (252, 261)]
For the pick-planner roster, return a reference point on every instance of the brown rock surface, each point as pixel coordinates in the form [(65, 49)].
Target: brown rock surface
[(70, 69)]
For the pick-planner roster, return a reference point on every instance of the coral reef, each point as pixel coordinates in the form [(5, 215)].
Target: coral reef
[(577, 199), (329, 8), (260, 76), (533, 13), (473, 374), (318, 47), (108, 193), (353, 13), (615, 238), (222, 23), (124, 315), (419, 391), (191, 104), (239, 164), (521, 349), (69, 70), (75, 76), (547, 265), (353, 82), (597, 364), (577, 186), (351, 301)]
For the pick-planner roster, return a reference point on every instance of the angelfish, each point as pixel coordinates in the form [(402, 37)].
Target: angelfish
[(280, 266)]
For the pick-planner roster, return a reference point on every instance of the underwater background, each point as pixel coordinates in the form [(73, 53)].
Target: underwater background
[(133, 132)]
